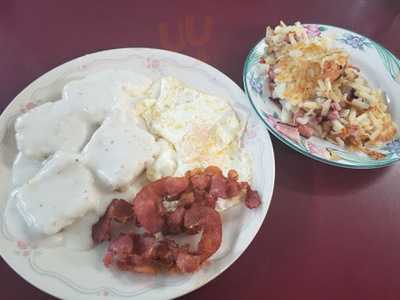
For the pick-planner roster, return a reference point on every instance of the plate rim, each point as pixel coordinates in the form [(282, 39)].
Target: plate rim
[(58, 68), (287, 141)]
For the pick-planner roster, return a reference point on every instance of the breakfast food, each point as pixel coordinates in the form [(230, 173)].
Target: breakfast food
[(61, 192), (24, 168), (49, 128), (196, 194), (98, 93), (321, 93), (120, 148), (110, 151), (202, 129)]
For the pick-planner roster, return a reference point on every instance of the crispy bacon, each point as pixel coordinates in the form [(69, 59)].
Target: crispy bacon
[(187, 199), (142, 253), (218, 186), (196, 195), (174, 221), (233, 175), (200, 181), (213, 171), (252, 199), (188, 263), (147, 204), (132, 252), (120, 211), (167, 253), (206, 219), (120, 249), (232, 188)]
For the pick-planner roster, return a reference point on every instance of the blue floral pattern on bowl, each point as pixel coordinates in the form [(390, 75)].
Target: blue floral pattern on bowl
[(257, 84), (372, 56), (355, 41), (393, 147)]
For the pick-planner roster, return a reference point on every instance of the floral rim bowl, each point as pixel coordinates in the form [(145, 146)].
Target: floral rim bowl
[(377, 64)]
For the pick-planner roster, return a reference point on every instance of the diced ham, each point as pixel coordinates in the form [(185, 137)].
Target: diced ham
[(305, 131), (289, 131), (333, 115), (271, 74), (336, 106), (320, 151)]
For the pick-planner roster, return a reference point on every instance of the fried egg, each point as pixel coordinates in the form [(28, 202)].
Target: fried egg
[(202, 129)]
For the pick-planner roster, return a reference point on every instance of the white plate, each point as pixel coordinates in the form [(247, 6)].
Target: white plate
[(72, 274)]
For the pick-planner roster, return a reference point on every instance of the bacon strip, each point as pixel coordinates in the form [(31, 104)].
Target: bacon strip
[(120, 249), (120, 211), (210, 222), (200, 181), (196, 194), (174, 221), (252, 199), (148, 206)]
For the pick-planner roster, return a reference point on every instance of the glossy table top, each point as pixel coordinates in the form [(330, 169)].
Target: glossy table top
[(330, 233)]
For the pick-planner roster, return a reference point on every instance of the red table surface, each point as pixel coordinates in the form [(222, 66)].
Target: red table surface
[(330, 233)]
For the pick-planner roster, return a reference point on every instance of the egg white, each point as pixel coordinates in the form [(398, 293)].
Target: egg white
[(202, 129)]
